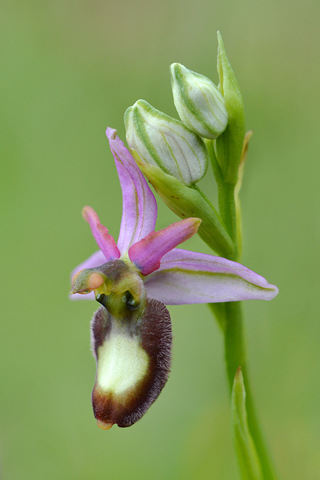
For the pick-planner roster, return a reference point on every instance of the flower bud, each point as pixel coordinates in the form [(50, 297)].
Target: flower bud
[(165, 142), (198, 101)]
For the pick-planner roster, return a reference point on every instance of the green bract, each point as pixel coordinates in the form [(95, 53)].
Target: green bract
[(229, 144), (166, 142), (190, 202), (249, 465), (198, 101)]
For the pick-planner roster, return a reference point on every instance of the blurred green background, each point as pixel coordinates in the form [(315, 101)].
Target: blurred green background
[(69, 69)]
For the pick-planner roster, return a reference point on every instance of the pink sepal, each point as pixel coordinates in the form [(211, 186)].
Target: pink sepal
[(186, 277), (139, 211)]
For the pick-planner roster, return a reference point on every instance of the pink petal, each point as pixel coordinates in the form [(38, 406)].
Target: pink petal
[(104, 240), (139, 212), (95, 260), (147, 253), (187, 277)]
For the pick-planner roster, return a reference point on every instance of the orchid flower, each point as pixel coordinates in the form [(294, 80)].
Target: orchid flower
[(133, 280)]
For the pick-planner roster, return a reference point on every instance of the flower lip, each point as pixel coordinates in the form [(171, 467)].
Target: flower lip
[(133, 363)]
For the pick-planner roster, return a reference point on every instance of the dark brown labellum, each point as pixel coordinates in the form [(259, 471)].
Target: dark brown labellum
[(133, 363)]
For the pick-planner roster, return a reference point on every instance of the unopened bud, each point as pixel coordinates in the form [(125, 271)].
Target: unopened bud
[(163, 141), (198, 101)]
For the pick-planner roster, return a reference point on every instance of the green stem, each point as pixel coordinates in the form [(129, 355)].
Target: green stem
[(227, 210), (226, 198), (229, 316)]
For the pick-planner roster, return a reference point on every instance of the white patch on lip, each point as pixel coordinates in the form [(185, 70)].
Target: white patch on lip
[(122, 362)]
